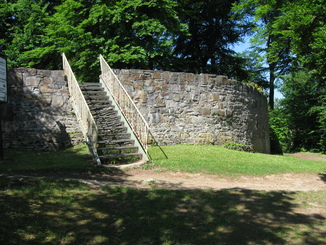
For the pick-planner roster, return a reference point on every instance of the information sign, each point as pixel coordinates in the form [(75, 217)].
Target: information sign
[(3, 79)]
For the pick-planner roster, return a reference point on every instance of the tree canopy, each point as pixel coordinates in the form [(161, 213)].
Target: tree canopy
[(185, 35)]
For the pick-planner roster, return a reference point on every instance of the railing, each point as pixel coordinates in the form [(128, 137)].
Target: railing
[(83, 113), (127, 106)]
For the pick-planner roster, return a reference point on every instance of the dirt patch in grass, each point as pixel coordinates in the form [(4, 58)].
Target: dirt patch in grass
[(153, 178), (310, 157)]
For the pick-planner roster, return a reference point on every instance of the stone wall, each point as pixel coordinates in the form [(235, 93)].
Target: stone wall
[(38, 114), (180, 108), (199, 109)]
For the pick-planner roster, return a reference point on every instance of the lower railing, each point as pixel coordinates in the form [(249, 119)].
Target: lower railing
[(82, 111), (127, 106)]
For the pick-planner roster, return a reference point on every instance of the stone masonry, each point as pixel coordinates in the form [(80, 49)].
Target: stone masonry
[(38, 114), (199, 109), (181, 108)]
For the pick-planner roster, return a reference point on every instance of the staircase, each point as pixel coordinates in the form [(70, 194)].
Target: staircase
[(115, 144), (114, 130)]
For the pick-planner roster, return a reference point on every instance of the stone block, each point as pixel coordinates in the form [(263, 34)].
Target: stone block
[(45, 73), (46, 90), (140, 97), (32, 81), (176, 97), (46, 81), (215, 97), (157, 75), (166, 75), (205, 111)]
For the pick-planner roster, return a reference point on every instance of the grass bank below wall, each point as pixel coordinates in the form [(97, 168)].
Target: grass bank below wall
[(218, 160)]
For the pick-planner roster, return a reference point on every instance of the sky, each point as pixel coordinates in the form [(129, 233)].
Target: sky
[(240, 47)]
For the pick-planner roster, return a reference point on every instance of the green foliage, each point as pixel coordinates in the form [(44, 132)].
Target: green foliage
[(281, 134), (211, 33), (267, 46), (134, 34), (289, 36), (236, 146), (303, 22), (189, 35), (304, 108), (321, 117)]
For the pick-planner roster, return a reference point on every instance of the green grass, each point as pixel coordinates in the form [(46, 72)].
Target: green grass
[(36, 210), (218, 160), (52, 211), (77, 157)]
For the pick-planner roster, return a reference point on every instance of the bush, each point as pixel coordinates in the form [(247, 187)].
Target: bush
[(237, 147)]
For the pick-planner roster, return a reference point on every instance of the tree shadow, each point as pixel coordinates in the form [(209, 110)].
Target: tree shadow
[(323, 177), (68, 213)]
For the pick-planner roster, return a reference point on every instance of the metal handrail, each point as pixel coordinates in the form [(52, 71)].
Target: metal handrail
[(126, 104), (82, 111)]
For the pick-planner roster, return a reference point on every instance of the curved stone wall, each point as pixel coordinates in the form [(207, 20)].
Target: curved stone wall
[(180, 108), (199, 109)]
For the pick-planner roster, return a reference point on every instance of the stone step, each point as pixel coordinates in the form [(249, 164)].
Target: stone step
[(104, 114), (119, 129), (114, 136), (96, 88), (116, 142), (109, 124), (109, 102), (90, 84), (87, 92), (126, 155), (95, 97), (118, 148), (110, 117), (96, 107)]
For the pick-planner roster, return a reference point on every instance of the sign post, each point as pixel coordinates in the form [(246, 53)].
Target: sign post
[(3, 93)]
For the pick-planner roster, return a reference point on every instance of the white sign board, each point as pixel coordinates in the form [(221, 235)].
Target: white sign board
[(3, 79)]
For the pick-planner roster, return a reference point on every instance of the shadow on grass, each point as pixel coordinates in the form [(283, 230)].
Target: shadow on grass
[(36, 211), (323, 177)]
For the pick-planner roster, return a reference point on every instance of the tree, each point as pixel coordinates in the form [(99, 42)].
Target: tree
[(273, 47), (212, 31), (140, 33), (303, 22), (24, 24), (130, 34), (300, 98)]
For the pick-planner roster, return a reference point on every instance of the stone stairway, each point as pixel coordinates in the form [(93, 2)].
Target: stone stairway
[(114, 145)]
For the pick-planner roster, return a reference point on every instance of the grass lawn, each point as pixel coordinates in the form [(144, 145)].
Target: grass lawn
[(218, 160), (77, 157), (61, 211), (52, 211)]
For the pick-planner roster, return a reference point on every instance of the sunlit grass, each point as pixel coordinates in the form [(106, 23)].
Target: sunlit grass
[(218, 160)]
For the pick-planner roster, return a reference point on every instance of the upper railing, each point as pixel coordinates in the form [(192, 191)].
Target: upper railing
[(83, 113), (127, 106)]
